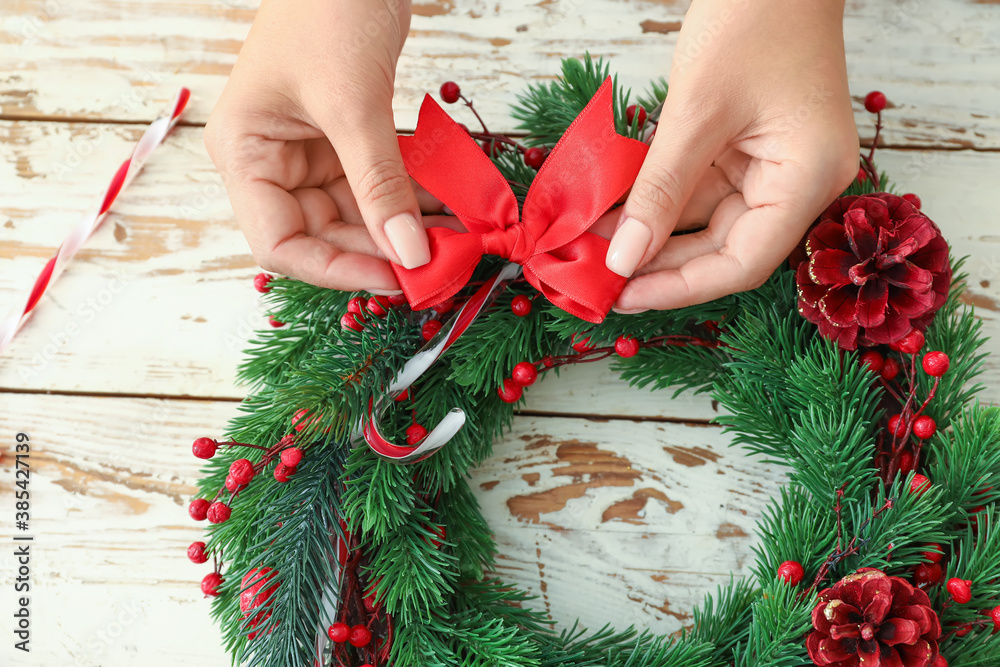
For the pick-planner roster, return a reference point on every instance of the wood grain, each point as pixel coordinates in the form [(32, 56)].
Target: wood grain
[(159, 301), (111, 476), (124, 60)]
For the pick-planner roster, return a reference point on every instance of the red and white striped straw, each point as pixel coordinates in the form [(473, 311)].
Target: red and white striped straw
[(153, 137)]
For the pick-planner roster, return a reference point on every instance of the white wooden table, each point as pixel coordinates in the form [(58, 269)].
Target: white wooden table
[(609, 504)]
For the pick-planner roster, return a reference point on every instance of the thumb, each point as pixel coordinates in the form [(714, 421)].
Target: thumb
[(680, 153), (364, 138)]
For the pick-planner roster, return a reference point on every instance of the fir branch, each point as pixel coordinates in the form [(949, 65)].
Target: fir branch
[(781, 619), (289, 528), (722, 621)]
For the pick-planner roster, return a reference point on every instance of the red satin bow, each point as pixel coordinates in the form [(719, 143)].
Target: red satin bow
[(585, 174)]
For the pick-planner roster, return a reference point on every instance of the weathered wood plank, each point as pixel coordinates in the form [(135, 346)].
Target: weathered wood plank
[(644, 518), (159, 301), (98, 59)]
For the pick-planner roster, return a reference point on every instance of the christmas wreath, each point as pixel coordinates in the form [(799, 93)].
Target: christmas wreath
[(342, 527)]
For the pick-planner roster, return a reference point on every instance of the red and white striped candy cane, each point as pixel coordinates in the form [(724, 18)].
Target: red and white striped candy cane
[(415, 368), (153, 137)]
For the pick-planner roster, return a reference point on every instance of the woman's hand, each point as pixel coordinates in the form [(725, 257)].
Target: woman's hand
[(304, 138), (757, 136)]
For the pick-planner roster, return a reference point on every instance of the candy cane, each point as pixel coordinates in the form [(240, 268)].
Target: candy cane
[(153, 137), (419, 364)]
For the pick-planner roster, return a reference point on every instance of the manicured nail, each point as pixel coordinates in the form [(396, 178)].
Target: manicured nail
[(407, 238), (629, 311), (384, 292), (627, 247)]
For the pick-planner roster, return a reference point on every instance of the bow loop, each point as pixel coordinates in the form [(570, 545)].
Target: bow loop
[(588, 170), (513, 243)]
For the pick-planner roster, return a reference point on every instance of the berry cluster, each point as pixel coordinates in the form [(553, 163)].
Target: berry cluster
[(242, 471), (359, 309), (907, 429)]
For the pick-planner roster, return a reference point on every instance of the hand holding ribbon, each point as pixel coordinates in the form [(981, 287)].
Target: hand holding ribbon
[(589, 169)]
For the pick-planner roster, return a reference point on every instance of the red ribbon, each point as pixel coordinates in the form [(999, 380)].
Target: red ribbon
[(590, 168)]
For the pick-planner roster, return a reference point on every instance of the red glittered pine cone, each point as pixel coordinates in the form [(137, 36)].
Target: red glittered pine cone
[(869, 618), (875, 269)]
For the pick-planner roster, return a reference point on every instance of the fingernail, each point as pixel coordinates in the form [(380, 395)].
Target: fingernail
[(627, 247), (384, 292), (407, 238), (627, 311)]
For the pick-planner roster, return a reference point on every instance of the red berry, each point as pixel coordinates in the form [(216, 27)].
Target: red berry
[(994, 615), (862, 175), (274, 322), (405, 395), (219, 512), (630, 114), (924, 427), (430, 329), (241, 470), (492, 147), (398, 300), (510, 391), (897, 427), (338, 633), (927, 574), (291, 457), (356, 305), (906, 462), (445, 306), (204, 448), (936, 364), (913, 199), (210, 583), (299, 421), (378, 305), (534, 157), (196, 552), (256, 591), (963, 630), (525, 374), (283, 472), (415, 434), (450, 92), (875, 101), (910, 343), (233, 486), (959, 589), (934, 553), (521, 305), (260, 282), (581, 344), (548, 361), (890, 369), (873, 360), (919, 484), (360, 636), (626, 347), (441, 533), (939, 661), (791, 572), (352, 321), (198, 509)]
